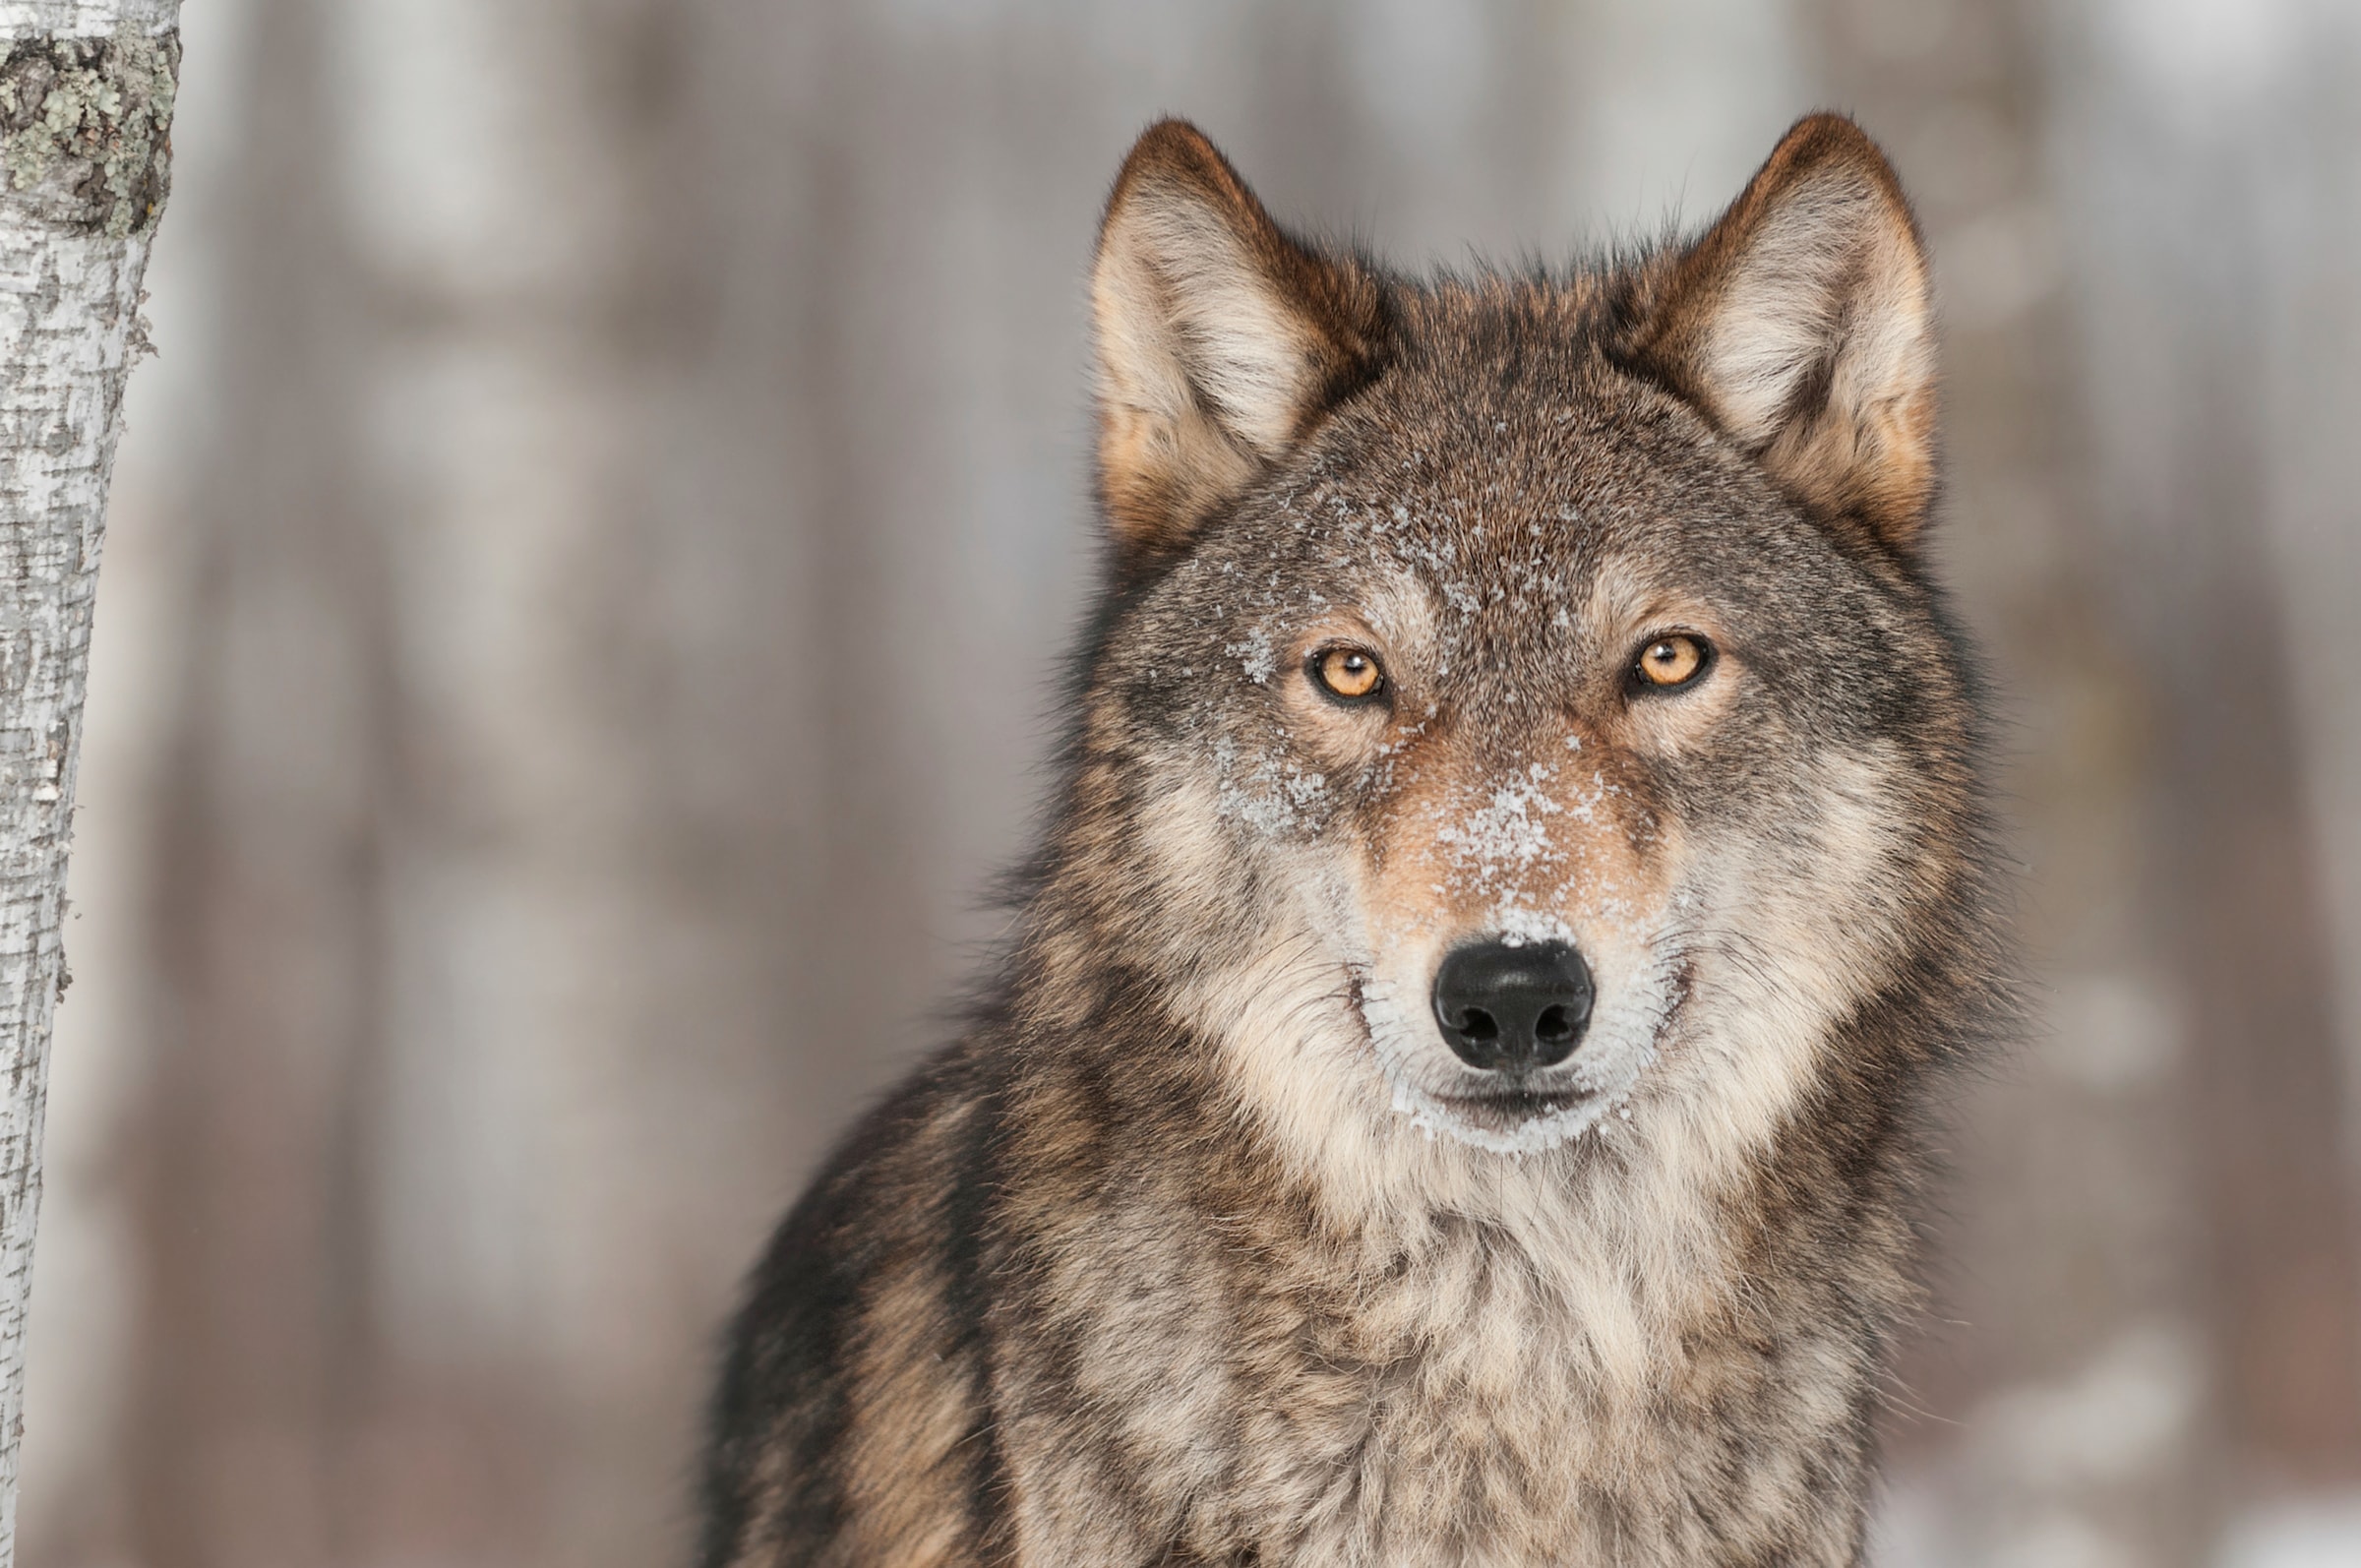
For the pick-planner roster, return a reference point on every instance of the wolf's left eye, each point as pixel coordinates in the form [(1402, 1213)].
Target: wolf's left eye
[(1349, 674), (1670, 661)]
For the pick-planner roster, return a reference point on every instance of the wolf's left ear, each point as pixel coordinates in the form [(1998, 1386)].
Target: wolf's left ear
[(1220, 339), (1803, 325)]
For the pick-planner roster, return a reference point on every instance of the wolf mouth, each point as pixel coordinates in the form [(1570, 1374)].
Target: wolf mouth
[(1510, 1109)]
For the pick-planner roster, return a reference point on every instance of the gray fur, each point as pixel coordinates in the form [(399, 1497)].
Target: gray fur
[(1195, 1249)]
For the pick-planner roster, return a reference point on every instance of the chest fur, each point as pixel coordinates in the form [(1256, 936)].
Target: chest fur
[(1470, 1403)]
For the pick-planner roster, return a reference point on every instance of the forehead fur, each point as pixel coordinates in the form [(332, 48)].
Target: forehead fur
[(1510, 396), (1509, 460)]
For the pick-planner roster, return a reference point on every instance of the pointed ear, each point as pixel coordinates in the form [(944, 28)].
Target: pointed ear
[(1802, 324), (1220, 339)]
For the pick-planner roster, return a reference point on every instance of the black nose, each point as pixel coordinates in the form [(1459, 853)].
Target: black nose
[(1513, 1009)]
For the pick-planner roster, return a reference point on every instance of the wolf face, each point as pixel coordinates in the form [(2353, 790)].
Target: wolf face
[(1541, 659)]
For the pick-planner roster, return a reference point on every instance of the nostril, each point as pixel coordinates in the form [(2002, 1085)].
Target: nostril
[(1513, 1008)]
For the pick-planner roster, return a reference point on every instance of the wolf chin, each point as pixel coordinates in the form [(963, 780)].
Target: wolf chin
[(1456, 1090)]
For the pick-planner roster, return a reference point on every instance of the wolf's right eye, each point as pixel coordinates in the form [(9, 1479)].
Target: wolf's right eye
[(1350, 675)]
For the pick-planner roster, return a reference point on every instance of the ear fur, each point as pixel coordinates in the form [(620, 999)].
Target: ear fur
[(1220, 339), (1802, 324)]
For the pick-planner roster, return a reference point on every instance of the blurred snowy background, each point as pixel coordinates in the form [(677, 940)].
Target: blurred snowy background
[(525, 814)]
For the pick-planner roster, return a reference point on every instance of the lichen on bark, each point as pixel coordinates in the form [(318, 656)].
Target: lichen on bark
[(85, 128)]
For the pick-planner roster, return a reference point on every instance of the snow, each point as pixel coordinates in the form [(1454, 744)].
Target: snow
[(1256, 656), (2301, 1533)]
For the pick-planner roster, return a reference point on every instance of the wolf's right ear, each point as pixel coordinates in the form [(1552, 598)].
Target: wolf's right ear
[(1220, 339)]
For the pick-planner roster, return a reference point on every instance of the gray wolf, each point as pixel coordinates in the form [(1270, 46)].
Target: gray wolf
[(1456, 1090)]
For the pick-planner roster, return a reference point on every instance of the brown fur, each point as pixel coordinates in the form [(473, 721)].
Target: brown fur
[(1174, 441), (1200, 1247)]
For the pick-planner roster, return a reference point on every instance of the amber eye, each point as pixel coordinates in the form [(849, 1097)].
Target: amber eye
[(1671, 661), (1351, 673)]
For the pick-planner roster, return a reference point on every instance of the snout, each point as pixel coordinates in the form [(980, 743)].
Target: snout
[(1513, 1009)]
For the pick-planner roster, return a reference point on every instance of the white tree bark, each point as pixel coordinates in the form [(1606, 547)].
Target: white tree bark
[(86, 104)]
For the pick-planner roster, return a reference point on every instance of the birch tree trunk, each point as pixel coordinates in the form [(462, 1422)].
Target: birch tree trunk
[(86, 105)]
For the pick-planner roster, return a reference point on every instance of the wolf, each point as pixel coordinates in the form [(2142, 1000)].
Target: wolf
[(1457, 1089)]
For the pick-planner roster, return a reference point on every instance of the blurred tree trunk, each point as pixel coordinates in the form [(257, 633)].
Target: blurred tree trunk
[(252, 1232), (85, 112), (2181, 144), (526, 786)]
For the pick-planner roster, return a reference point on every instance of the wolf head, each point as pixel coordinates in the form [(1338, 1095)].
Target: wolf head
[(1524, 707)]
